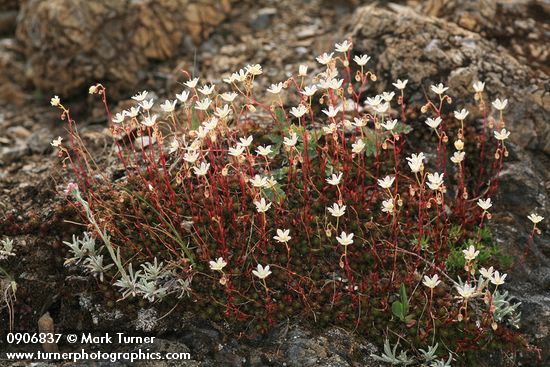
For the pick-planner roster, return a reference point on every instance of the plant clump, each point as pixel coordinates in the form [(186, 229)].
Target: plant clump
[(330, 204)]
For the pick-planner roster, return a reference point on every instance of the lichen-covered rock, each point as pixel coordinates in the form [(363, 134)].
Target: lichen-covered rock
[(12, 74), (508, 22), (72, 43), (426, 50)]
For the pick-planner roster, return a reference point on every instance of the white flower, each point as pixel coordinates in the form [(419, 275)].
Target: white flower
[(118, 118), (433, 123), (245, 142), (332, 111), (261, 272), (470, 253), (500, 105), (276, 88), (282, 236), (345, 239), (386, 182), (415, 161), (361, 60), (330, 129), (258, 181), (389, 125), (271, 182), (204, 104), (229, 96), (56, 142), (400, 84), (331, 83), (466, 291), (298, 111), (461, 115), (174, 146), (229, 79), (486, 273), (358, 146), (254, 70), (337, 210), (218, 265), (374, 101), (498, 279), (192, 83), (202, 169), (183, 96), (264, 151), (290, 142), (93, 89), (239, 76), (459, 144), (149, 120), (388, 96), (334, 180), (359, 122), (535, 218), (431, 282), (309, 91), (382, 108), (211, 124), (133, 112), (168, 106), (140, 97), (342, 47), (439, 89), (235, 152), (388, 206), (222, 112), (325, 58), (191, 156), (147, 105), (202, 132), (435, 180), (302, 70), (479, 86), (458, 157), (207, 89), (502, 135), (484, 204), (262, 206)]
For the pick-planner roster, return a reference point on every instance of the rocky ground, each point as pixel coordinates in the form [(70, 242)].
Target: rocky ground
[(65, 49)]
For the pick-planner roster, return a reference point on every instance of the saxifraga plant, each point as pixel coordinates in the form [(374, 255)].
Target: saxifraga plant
[(331, 207)]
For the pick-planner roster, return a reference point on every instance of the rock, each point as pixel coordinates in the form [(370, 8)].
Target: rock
[(72, 44), (263, 18), (12, 74), (12, 153), (8, 20), (499, 21), (39, 141), (426, 50), (46, 325)]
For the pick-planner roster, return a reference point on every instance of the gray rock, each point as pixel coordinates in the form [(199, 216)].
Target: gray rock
[(39, 141)]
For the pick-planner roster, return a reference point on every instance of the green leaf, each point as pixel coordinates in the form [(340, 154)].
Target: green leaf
[(195, 123), (397, 310), (404, 299), (280, 115), (370, 142)]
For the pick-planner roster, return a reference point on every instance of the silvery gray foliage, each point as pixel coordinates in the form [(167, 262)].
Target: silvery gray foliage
[(6, 248), (390, 356), (81, 248), (505, 311)]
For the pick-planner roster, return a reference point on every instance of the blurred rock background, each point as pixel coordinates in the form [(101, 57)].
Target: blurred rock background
[(63, 46)]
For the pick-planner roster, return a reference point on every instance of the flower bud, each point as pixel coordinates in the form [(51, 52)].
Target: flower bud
[(459, 144)]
